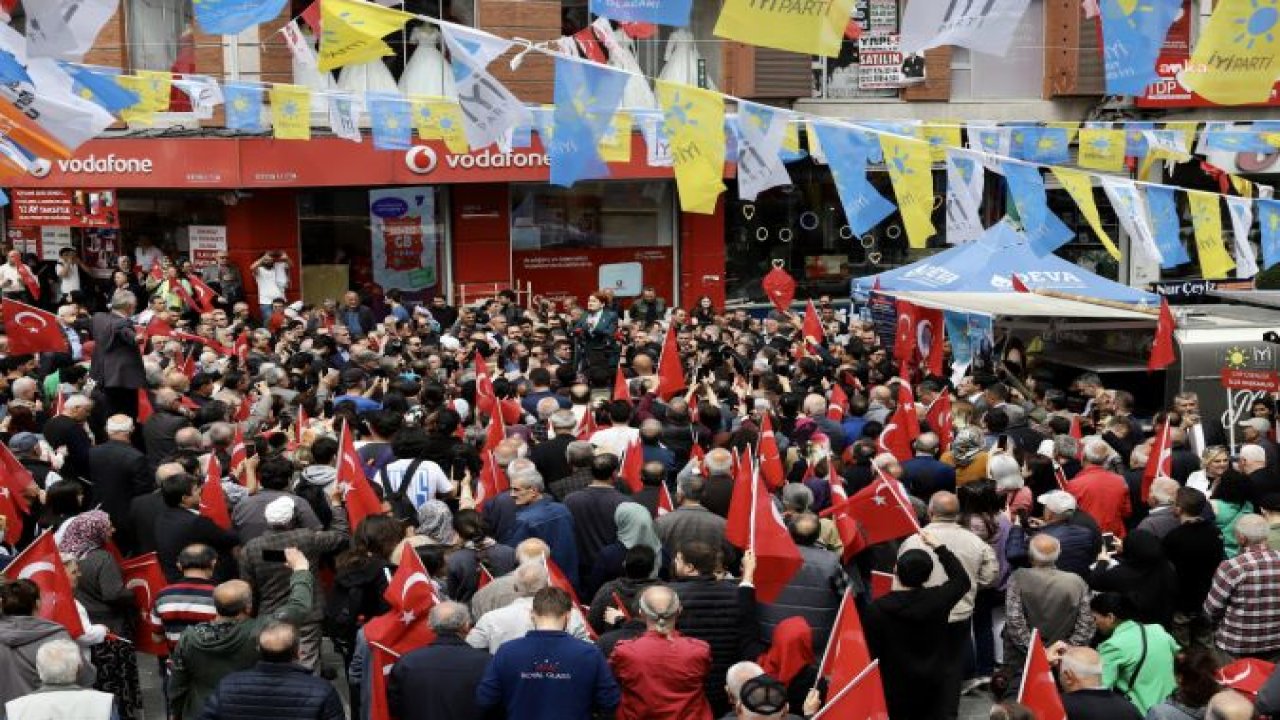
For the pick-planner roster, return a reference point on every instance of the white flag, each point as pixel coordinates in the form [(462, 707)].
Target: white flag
[(298, 44), (987, 26), (761, 131), (1241, 209), (203, 91), (489, 109), (65, 29), (659, 150), (1131, 208), (988, 140), (69, 118), (965, 181), (344, 116)]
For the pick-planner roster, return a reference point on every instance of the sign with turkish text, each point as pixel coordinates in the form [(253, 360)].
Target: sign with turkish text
[(69, 208), (205, 242), (880, 64), (1193, 290), (403, 234), (1257, 380)]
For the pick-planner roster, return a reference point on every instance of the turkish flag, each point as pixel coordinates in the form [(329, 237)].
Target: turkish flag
[(1160, 461), (204, 296), (145, 411), (670, 368), (495, 432), (930, 324), (31, 330), (737, 529), (245, 407), (590, 46), (41, 564), (557, 579), (241, 346), (880, 511), (861, 699), (846, 655), (904, 342), (587, 425), (405, 628), (897, 434), (632, 464), (620, 389), (142, 575), (410, 588), (881, 584), (486, 397), (239, 453), (938, 418), (770, 458), (837, 403), (16, 478), (213, 502), (1039, 692), (811, 330), (1162, 355), (777, 557), (1018, 285), (12, 518), (665, 505), (493, 481), (362, 500), (1075, 432), (213, 345), (158, 327), (177, 288), (780, 287), (29, 280)]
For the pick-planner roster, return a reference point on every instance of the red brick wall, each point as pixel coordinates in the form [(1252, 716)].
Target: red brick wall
[(535, 20)]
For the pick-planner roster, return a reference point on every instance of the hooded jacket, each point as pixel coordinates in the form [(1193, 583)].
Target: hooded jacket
[(20, 637)]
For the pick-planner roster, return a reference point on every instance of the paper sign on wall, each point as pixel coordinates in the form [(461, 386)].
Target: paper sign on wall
[(625, 279), (403, 233), (205, 242)]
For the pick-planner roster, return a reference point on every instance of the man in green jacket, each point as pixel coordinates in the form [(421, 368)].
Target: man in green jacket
[(210, 651)]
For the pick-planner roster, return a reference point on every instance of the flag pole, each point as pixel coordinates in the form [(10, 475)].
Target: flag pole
[(852, 684), (830, 641), (751, 536), (1026, 664)]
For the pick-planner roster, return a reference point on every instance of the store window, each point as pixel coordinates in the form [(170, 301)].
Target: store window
[(572, 241), (844, 77), (803, 226), (690, 55), (161, 35), (392, 237)]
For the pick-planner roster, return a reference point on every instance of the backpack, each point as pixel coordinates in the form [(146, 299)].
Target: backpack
[(401, 506)]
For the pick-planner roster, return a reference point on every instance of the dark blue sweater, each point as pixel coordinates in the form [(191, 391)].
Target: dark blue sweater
[(548, 675)]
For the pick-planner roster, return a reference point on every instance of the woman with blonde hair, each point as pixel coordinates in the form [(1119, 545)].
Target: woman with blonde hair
[(1214, 462)]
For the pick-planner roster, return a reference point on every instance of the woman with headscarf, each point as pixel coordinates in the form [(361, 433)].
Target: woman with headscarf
[(967, 455), (435, 522), (100, 589), (791, 661), (635, 527)]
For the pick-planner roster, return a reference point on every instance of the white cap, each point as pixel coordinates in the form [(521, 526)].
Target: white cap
[(449, 342), (279, 511), (1058, 502)]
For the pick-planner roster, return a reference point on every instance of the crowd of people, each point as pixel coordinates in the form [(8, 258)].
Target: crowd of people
[(577, 591)]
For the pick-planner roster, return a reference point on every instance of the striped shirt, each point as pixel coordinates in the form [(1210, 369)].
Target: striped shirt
[(186, 602), (1244, 603)]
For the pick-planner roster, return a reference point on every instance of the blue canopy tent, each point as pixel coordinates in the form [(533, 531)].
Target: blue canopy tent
[(987, 266)]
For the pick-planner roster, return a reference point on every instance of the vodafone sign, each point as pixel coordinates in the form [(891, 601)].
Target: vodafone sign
[(423, 160), (141, 163)]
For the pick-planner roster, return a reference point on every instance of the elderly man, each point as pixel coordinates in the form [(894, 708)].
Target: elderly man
[(69, 430), (1078, 537), (277, 686), (117, 361), (271, 583), (513, 620), (979, 562), (538, 516), (1083, 696), (208, 652), (924, 474), (1241, 603), (438, 682), (119, 473), (1161, 518), (551, 456), (58, 664), (662, 673), (592, 509), (1256, 431), (1047, 599), (1100, 492), (1264, 478), (814, 592), (717, 480), (159, 432), (502, 589), (691, 521)]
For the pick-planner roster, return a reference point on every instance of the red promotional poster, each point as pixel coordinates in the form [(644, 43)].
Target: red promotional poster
[(403, 237), (70, 208)]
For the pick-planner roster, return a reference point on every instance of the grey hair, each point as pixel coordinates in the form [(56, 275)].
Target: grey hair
[(271, 374), (564, 420), (1065, 446), (531, 478), (1081, 669), (119, 424), (531, 577), (220, 433), (797, 496), (153, 372), (1041, 557), (1252, 528), (58, 662), (25, 383), (1005, 471), (738, 674), (76, 401), (1097, 452), (123, 299), (449, 618), (547, 407), (719, 461), (1164, 490)]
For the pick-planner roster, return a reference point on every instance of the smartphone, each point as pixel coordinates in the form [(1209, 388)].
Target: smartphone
[(1109, 542), (269, 555)]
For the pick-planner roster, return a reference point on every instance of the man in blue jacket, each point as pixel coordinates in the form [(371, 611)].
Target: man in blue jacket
[(538, 516), (548, 674)]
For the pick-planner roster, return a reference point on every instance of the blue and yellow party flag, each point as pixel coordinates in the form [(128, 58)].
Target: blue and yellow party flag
[(1102, 149), (1166, 226), (1237, 138), (353, 32), (1047, 145), (291, 112), (244, 107), (801, 26), (438, 118), (1206, 218), (615, 144), (391, 118), (911, 171), (658, 12), (1269, 221), (940, 137), (1045, 231), (1135, 138), (231, 17), (1132, 34), (103, 88), (586, 96), (152, 88), (846, 151), (1234, 62), (1079, 185), (693, 124)]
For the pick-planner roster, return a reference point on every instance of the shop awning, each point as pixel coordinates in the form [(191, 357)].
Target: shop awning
[(1020, 305)]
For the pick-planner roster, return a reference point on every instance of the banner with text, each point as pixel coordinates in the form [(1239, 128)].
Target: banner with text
[(403, 233)]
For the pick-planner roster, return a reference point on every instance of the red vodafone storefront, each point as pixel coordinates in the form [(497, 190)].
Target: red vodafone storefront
[(491, 217)]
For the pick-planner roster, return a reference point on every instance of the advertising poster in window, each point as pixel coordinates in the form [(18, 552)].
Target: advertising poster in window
[(67, 208), (99, 248), (205, 242), (403, 236), (839, 77)]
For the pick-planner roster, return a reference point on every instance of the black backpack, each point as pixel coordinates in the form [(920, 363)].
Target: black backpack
[(401, 506)]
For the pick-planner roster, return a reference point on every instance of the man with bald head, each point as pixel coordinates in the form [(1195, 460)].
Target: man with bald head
[(1083, 696), (276, 687), (717, 480), (67, 429), (979, 562), (1044, 598), (662, 673), (208, 652), (160, 431)]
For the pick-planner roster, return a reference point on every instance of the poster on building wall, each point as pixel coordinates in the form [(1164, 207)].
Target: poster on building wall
[(403, 234), (204, 242), (839, 76), (68, 208), (882, 64), (99, 248), (43, 242)]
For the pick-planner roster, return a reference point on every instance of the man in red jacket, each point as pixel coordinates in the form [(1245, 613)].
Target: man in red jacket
[(662, 672), (1099, 492)]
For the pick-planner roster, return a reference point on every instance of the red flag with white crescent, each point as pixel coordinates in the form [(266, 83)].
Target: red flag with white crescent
[(143, 576), (633, 466), (213, 501), (938, 418), (770, 459), (41, 564), (16, 478), (31, 330), (29, 280), (362, 500)]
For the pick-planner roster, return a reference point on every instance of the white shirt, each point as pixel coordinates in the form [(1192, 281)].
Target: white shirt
[(615, 439), (427, 482), (68, 277), (514, 621), (11, 279), (272, 282)]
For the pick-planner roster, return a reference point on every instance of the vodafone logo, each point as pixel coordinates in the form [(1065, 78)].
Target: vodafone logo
[(421, 160), (96, 165), (40, 168)]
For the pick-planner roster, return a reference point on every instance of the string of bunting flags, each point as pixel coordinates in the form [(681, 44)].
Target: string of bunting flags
[(68, 103)]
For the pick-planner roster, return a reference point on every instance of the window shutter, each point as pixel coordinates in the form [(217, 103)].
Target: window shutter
[(1073, 57), (758, 73)]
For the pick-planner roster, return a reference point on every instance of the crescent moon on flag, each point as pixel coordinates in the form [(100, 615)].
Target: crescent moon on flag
[(139, 582), (888, 429), (34, 569), (17, 318), (904, 325), (414, 579), (924, 337)]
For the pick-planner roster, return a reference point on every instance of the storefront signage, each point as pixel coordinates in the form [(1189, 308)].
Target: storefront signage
[(43, 242), (1257, 380), (423, 160), (884, 315), (1251, 366), (67, 208), (1193, 290), (205, 242)]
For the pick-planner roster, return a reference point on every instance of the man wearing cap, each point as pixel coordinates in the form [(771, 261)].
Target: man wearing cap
[(1257, 431), (755, 695), (1077, 534), (907, 629), (662, 673), (270, 579)]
